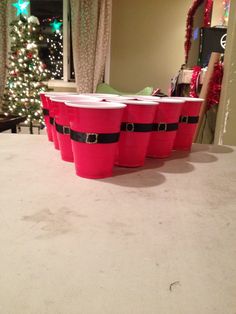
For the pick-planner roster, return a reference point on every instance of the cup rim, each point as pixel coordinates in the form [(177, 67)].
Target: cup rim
[(143, 97), (58, 99), (171, 101), (48, 94), (192, 99), (138, 102), (100, 95), (96, 105), (118, 99)]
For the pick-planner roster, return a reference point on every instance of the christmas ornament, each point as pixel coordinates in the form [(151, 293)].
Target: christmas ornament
[(15, 54), (56, 25), (33, 19), (15, 73), (21, 7)]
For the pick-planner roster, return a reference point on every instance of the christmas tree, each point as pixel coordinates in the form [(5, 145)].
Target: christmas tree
[(26, 72), (55, 45)]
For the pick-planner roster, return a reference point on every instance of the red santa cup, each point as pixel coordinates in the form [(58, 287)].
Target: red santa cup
[(165, 126), (188, 123), (45, 109), (136, 129), (62, 123), (52, 111), (95, 131)]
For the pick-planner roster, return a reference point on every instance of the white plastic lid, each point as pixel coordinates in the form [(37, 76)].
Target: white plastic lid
[(96, 105)]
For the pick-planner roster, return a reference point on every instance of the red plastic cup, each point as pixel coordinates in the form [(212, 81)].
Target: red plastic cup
[(45, 107), (45, 96), (62, 124), (135, 133), (166, 123), (52, 112), (188, 123), (52, 109), (91, 125)]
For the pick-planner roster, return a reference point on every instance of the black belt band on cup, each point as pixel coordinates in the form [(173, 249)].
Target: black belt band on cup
[(136, 127), (189, 119), (94, 138), (52, 121), (45, 112), (62, 129), (165, 127)]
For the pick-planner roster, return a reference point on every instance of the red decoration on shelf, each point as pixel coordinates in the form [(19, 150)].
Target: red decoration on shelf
[(195, 81), (189, 23), (215, 84)]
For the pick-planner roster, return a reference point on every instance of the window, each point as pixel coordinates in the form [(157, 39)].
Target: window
[(56, 47)]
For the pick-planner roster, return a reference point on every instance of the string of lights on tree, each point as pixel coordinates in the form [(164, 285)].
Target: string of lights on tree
[(55, 46), (26, 72)]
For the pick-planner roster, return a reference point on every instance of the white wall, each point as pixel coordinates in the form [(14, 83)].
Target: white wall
[(147, 45)]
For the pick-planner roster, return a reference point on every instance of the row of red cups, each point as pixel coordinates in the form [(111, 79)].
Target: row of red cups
[(98, 132)]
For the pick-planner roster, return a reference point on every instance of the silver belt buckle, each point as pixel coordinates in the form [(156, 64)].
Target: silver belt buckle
[(130, 127), (88, 138), (66, 129), (184, 119), (160, 129)]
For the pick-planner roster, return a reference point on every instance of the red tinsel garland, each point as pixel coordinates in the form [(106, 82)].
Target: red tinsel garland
[(194, 81), (214, 87), (207, 13), (189, 22)]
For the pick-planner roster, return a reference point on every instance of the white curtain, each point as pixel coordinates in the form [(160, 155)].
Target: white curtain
[(6, 16), (91, 20)]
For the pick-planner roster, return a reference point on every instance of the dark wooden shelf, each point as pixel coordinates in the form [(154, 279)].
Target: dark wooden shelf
[(10, 122)]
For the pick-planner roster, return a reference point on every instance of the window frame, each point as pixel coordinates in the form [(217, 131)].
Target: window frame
[(67, 81)]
